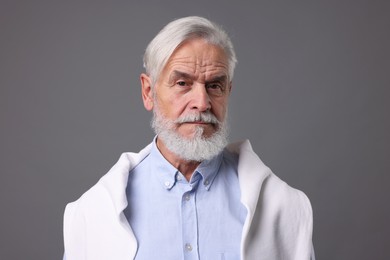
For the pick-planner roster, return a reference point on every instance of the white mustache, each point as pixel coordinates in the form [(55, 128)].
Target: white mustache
[(207, 117)]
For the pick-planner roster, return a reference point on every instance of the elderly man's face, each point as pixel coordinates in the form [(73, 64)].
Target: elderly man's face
[(195, 80)]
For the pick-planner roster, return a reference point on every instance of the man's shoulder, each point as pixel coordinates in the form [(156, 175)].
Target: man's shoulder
[(277, 212), (257, 178), (282, 196), (111, 186), (94, 219)]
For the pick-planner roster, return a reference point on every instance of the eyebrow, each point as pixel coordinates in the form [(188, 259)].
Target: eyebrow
[(221, 78), (179, 74)]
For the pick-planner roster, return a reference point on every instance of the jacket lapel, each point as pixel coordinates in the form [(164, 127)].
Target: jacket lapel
[(251, 174)]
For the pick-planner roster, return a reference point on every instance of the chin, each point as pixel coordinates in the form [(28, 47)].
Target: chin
[(199, 132)]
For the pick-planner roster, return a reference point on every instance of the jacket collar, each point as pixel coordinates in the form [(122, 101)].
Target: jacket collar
[(251, 173), (115, 181)]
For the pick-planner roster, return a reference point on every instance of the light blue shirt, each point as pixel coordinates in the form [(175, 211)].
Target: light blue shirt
[(176, 219)]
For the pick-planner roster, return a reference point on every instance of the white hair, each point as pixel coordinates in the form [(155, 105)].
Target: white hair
[(178, 31), (197, 148)]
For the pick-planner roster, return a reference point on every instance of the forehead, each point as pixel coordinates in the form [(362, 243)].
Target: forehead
[(198, 56)]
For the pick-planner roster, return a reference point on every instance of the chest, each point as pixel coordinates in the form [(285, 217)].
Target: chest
[(186, 221)]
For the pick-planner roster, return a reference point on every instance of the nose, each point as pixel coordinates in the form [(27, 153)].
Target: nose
[(200, 98)]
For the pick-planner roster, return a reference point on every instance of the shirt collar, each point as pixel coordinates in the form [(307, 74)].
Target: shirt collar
[(168, 174), (208, 170), (163, 169)]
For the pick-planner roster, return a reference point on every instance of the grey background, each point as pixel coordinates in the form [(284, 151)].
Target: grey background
[(311, 92)]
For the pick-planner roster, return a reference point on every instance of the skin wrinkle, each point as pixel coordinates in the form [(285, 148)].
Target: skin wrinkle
[(179, 75), (199, 65), (197, 71)]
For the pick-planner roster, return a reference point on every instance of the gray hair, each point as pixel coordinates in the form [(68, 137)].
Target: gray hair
[(175, 33)]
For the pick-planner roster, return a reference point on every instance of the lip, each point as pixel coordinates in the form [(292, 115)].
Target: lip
[(198, 123)]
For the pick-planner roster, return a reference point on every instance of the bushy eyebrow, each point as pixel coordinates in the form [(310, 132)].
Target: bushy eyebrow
[(183, 75), (179, 75), (221, 78)]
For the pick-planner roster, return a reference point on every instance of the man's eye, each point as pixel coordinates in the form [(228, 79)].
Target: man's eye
[(216, 89), (181, 83), (214, 86)]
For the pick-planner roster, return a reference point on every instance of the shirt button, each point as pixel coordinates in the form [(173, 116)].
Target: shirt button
[(167, 184), (178, 177), (188, 247), (206, 182), (187, 197)]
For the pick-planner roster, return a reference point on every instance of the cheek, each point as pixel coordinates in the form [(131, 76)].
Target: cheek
[(171, 108), (220, 109)]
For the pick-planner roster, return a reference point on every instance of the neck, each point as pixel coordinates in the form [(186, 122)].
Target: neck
[(186, 167)]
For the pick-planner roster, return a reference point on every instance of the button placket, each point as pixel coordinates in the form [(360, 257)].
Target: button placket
[(190, 224)]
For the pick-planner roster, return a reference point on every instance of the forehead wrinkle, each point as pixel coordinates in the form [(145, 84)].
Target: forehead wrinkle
[(197, 65), (202, 66), (212, 75)]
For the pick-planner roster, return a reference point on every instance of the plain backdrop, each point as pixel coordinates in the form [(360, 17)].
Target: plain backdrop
[(311, 92)]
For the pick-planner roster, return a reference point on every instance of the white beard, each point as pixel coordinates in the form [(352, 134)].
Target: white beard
[(197, 148)]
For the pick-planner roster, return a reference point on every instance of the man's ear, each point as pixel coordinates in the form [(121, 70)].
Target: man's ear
[(147, 91), (230, 87)]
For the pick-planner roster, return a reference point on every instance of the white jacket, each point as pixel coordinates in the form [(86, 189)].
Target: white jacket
[(278, 223)]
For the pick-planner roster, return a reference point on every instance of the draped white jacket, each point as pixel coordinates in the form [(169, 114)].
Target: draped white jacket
[(278, 223)]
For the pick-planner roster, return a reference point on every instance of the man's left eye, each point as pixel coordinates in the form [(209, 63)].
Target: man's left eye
[(213, 87)]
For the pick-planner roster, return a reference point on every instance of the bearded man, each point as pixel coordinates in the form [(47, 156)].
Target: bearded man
[(189, 195)]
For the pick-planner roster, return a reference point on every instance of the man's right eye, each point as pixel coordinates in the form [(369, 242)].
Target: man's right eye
[(181, 83)]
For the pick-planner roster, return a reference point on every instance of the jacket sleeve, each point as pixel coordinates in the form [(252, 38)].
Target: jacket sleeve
[(74, 235), (313, 257)]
